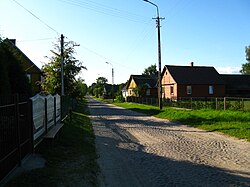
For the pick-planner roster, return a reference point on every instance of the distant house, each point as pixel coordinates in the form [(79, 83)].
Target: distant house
[(191, 81), (124, 92), (236, 85), (33, 73), (142, 85), (107, 90)]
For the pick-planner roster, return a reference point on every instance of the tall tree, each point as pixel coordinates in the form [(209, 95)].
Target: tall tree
[(246, 67), (151, 70), (52, 70)]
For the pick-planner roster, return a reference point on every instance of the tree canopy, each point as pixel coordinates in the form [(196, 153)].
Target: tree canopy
[(52, 70), (151, 70), (246, 67)]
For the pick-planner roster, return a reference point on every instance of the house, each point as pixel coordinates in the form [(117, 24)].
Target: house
[(33, 73), (142, 85), (236, 85), (191, 81), (107, 90)]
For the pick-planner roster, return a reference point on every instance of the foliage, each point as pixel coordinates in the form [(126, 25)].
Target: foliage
[(246, 67), (80, 89), (12, 76), (52, 71), (96, 89), (140, 91), (151, 70), (233, 123)]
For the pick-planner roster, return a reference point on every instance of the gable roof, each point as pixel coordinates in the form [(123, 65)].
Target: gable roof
[(151, 81), (13, 45), (194, 74), (108, 87)]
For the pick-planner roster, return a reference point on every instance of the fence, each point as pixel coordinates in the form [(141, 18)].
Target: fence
[(46, 114), (225, 103), (15, 132), (24, 122)]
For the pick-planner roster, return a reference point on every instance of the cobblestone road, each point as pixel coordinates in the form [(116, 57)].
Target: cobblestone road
[(138, 150)]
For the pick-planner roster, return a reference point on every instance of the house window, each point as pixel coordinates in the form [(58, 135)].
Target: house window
[(148, 92), (211, 90), (172, 90), (29, 76), (189, 90)]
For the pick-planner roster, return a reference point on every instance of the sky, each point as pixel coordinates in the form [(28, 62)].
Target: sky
[(123, 33)]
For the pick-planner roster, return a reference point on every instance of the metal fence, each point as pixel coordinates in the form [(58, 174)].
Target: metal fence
[(224, 103), (16, 140)]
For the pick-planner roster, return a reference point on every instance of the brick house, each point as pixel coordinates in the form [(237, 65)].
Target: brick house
[(191, 81), (139, 81), (33, 73)]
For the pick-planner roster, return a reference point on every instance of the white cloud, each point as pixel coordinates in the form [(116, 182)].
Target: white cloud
[(228, 70)]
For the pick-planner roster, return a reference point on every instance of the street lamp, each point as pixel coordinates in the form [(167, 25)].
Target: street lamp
[(112, 90), (159, 52)]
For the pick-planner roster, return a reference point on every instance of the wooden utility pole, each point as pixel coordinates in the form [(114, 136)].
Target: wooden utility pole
[(62, 64)]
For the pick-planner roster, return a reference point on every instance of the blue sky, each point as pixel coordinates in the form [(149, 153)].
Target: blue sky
[(123, 33)]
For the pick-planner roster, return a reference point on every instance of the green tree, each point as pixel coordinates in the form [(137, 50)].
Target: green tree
[(80, 89), (151, 70), (140, 91), (52, 70), (246, 67)]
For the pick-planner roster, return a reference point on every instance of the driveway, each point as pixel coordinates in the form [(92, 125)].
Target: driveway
[(139, 150)]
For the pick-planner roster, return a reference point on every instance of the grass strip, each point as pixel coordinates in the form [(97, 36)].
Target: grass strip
[(70, 158), (233, 123)]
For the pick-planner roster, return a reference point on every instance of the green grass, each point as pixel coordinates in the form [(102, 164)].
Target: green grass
[(233, 123), (71, 157)]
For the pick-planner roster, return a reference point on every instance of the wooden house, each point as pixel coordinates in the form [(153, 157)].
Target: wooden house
[(191, 81), (142, 86), (33, 73)]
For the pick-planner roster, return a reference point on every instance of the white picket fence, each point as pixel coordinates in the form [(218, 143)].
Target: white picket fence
[(46, 114)]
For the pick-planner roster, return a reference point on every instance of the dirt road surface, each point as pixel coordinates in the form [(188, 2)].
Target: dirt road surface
[(139, 150)]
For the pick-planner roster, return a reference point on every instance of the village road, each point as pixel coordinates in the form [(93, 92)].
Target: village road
[(137, 150)]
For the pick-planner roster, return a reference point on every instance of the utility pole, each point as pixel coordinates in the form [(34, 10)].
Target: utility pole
[(158, 25), (112, 91), (62, 64)]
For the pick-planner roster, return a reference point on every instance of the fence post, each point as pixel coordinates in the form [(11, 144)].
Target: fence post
[(54, 110), (30, 117), (225, 103), (46, 117), (242, 100), (18, 128), (216, 103)]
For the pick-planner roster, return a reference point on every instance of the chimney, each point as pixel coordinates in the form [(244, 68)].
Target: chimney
[(191, 64), (13, 41)]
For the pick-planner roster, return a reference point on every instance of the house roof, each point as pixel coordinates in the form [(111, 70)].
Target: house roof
[(194, 74), (151, 81), (108, 87), (12, 43), (234, 81)]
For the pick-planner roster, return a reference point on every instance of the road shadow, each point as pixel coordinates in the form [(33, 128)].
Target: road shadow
[(125, 157)]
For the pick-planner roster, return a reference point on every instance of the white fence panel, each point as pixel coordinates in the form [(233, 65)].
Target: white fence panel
[(39, 119), (58, 107), (50, 111), (38, 115)]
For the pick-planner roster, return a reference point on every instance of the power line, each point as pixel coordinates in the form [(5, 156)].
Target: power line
[(34, 40), (110, 11), (36, 17)]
